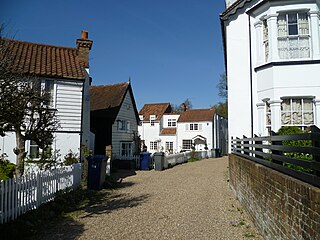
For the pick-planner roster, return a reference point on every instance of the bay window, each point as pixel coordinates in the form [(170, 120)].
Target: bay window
[(297, 112), (293, 35)]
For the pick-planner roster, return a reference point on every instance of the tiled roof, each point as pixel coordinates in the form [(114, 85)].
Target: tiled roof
[(45, 60), (168, 131), (107, 96), (157, 109), (197, 115)]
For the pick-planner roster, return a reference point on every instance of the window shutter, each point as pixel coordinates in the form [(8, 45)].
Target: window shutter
[(128, 126), (187, 127), (200, 126)]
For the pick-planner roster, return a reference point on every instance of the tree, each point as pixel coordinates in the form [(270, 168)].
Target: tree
[(223, 86), (24, 107), (183, 107), (222, 107)]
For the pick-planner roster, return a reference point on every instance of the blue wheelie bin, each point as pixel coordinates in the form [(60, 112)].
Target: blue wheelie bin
[(96, 172), (145, 161)]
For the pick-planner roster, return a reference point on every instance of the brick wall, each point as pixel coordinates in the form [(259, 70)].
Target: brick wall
[(281, 207)]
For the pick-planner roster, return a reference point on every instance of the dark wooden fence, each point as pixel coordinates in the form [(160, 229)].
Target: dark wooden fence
[(297, 155)]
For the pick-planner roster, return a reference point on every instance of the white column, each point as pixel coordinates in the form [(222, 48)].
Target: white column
[(259, 45), (273, 37), (261, 118), (275, 107), (315, 35), (317, 112)]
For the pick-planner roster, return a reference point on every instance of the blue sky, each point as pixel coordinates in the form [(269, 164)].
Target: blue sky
[(171, 49)]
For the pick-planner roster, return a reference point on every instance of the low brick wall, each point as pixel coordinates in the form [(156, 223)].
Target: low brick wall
[(281, 207)]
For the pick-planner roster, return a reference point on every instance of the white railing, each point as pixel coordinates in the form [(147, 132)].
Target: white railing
[(21, 194), (134, 158), (173, 159)]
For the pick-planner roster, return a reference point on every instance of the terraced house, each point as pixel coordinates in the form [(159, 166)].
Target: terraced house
[(272, 54), (163, 130), (64, 73)]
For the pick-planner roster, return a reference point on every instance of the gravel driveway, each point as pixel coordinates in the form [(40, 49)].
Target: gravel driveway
[(189, 201)]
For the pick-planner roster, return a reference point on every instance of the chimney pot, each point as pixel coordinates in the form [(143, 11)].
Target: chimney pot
[(84, 34)]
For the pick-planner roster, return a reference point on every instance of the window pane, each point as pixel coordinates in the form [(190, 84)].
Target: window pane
[(293, 29), (308, 118), (292, 18), (293, 48), (303, 23), (282, 25), (307, 104)]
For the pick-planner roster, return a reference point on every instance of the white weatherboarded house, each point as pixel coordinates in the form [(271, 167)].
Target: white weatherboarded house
[(114, 120), (64, 72), (272, 54)]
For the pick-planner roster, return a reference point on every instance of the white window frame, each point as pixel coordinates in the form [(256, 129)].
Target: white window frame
[(303, 111), (172, 122), (169, 146), (154, 145), (187, 144), (126, 148), (286, 37), (49, 86), (34, 145)]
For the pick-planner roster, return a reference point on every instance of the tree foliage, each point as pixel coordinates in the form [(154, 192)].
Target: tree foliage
[(24, 107), (223, 86), (187, 104), (222, 109)]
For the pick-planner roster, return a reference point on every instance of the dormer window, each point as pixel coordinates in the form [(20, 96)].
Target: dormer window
[(152, 119), (293, 35), (141, 117), (172, 122)]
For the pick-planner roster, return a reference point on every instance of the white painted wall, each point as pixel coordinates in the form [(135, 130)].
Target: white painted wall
[(126, 113), (68, 102), (270, 82), (206, 131)]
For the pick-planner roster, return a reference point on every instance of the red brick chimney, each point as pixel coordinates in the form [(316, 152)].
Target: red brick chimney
[(84, 45)]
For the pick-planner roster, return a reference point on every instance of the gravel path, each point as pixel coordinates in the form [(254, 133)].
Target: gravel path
[(189, 201)]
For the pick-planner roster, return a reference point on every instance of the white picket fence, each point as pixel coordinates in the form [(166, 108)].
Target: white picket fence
[(19, 195)]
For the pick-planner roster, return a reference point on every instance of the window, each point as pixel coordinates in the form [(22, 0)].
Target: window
[(34, 150), (126, 149), (297, 112), (121, 125), (195, 127), (265, 39), (153, 146), (169, 146), (293, 35), (152, 119), (187, 144), (172, 122), (268, 114), (48, 87)]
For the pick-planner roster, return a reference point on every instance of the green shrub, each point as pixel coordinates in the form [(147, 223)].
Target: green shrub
[(7, 168), (71, 158), (296, 143)]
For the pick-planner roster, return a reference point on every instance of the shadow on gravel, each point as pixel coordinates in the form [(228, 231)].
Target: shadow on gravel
[(113, 203), (120, 174)]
